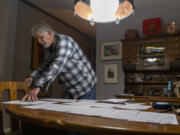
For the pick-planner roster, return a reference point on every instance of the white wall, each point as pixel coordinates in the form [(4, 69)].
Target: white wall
[(145, 9)]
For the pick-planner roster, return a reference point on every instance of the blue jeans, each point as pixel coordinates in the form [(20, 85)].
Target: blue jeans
[(90, 95)]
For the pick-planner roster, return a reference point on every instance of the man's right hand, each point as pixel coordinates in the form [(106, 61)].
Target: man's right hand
[(28, 81), (31, 95)]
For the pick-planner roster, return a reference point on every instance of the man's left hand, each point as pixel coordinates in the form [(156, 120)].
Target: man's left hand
[(31, 95)]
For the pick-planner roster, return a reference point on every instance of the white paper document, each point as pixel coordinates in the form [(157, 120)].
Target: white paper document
[(92, 103), (82, 110), (115, 100), (81, 103), (103, 105), (149, 117), (18, 102), (100, 112), (153, 117), (122, 114), (168, 119), (134, 106)]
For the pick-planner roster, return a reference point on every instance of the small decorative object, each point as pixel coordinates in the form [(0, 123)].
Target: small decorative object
[(152, 26), (111, 73), (111, 50), (177, 88), (162, 105), (139, 77), (131, 34), (165, 91), (172, 28)]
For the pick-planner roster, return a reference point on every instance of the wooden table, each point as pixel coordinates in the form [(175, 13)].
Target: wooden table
[(88, 124)]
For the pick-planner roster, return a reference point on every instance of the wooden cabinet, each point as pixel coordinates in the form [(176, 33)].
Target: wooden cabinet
[(173, 52), (130, 49), (149, 63), (152, 54), (149, 83), (130, 55)]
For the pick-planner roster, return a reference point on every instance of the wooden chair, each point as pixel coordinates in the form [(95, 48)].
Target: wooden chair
[(12, 87)]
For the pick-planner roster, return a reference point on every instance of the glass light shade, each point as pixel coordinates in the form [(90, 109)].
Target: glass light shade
[(103, 11)]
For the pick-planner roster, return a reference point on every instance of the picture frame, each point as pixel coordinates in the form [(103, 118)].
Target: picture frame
[(111, 73), (111, 50)]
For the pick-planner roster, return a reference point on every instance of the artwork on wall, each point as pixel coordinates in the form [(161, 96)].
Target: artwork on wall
[(111, 73), (37, 54), (111, 50)]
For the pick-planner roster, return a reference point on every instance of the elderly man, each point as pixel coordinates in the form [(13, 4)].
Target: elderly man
[(63, 58)]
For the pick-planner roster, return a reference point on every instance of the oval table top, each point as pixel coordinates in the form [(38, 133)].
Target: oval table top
[(89, 124)]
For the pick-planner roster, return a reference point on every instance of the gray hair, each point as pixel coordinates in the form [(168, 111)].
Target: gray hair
[(41, 27)]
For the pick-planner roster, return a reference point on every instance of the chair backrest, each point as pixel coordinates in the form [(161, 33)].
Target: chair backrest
[(13, 88)]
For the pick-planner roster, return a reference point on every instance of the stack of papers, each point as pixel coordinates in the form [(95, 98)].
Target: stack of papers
[(106, 110)]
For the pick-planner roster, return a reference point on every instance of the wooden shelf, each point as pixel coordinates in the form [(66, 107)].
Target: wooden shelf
[(152, 55), (146, 83)]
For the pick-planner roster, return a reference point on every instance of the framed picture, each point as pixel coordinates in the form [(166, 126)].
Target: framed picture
[(111, 73), (37, 57), (111, 50)]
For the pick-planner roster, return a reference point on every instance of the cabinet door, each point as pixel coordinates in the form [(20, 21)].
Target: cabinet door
[(129, 55), (152, 54), (174, 62), (173, 51), (173, 48)]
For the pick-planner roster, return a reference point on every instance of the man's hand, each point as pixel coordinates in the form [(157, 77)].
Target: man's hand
[(31, 95), (28, 81)]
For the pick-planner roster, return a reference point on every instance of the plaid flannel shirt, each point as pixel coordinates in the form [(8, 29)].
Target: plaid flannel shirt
[(66, 60)]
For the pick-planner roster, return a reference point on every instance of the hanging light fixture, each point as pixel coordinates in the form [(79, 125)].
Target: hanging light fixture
[(104, 11)]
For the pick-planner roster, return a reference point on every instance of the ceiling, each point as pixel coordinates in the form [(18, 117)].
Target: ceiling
[(63, 10)]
